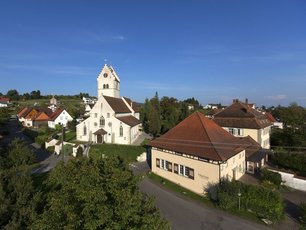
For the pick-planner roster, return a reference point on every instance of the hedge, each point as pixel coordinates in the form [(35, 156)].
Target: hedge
[(263, 202), (273, 177)]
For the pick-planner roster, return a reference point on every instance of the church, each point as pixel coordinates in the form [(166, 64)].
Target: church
[(113, 119)]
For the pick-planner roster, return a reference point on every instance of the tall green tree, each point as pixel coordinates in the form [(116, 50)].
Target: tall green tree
[(13, 94), (104, 194), (155, 116)]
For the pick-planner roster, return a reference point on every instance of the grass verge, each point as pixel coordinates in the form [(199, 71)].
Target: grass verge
[(126, 152)]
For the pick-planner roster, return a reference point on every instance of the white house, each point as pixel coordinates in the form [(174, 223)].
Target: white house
[(113, 119), (59, 117)]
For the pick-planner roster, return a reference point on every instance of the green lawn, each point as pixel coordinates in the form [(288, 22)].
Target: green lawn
[(127, 152), (70, 136)]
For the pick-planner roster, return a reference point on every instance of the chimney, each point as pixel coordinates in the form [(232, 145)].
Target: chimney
[(235, 100), (246, 101)]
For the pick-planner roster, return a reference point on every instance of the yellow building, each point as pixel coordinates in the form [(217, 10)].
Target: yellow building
[(242, 120), (196, 153)]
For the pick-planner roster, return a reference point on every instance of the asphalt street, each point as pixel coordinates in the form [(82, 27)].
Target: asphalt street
[(184, 213)]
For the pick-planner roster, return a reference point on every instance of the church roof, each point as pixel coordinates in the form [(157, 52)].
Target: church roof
[(117, 104), (135, 106), (240, 115), (199, 136), (129, 120)]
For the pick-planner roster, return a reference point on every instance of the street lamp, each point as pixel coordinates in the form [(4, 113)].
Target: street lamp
[(239, 195)]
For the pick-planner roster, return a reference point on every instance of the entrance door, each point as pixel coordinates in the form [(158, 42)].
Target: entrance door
[(99, 138)]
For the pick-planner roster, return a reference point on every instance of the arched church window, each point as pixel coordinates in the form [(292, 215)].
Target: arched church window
[(121, 131), (107, 86), (84, 130), (102, 121)]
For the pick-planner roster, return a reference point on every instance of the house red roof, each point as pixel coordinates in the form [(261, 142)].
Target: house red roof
[(129, 120), (5, 99), (270, 117), (117, 104), (240, 115), (55, 114), (199, 136)]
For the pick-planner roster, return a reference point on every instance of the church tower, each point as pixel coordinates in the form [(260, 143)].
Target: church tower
[(108, 82)]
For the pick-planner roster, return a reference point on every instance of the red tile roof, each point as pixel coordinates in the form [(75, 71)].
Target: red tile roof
[(240, 115), (129, 120), (270, 117), (199, 136), (4, 99), (117, 104), (55, 114)]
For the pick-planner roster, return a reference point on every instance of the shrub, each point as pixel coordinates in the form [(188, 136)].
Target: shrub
[(273, 177), (265, 203), (51, 149)]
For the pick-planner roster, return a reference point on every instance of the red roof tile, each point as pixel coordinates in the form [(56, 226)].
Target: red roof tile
[(199, 136), (240, 115), (55, 114)]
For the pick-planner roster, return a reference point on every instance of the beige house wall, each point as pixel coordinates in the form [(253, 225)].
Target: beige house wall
[(234, 168), (204, 173)]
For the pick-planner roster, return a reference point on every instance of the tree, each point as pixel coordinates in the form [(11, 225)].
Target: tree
[(19, 200), (17, 154), (154, 116), (35, 94), (13, 94), (88, 194)]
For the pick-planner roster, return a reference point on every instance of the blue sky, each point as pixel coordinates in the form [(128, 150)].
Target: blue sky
[(211, 50)]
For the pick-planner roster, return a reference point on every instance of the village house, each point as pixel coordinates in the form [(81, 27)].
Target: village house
[(196, 153), (113, 119), (242, 120), (36, 117), (4, 102)]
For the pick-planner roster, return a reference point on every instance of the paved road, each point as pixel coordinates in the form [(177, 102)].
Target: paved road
[(184, 213)]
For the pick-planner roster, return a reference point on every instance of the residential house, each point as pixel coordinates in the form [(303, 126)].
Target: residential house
[(113, 119), (256, 156), (4, 102), (59, 117), (212, 106), (36, 117), (196, 153), (242, 120), (276, 123)]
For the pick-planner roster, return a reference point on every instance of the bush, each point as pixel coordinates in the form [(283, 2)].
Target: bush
[(51, 149), (265, 203), (30, 133), (273, 177), (290, 161)]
